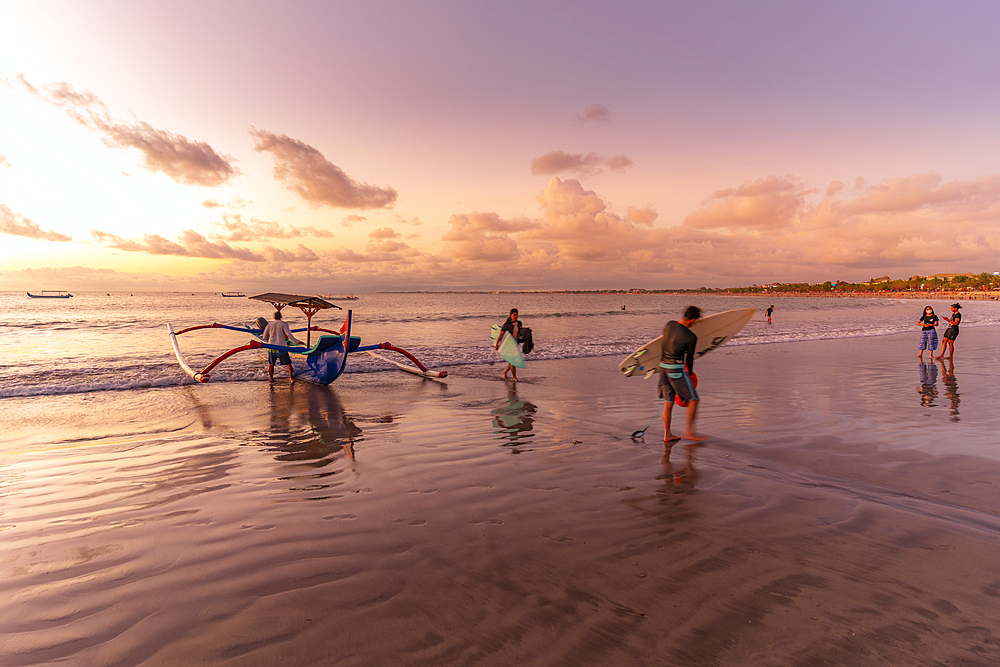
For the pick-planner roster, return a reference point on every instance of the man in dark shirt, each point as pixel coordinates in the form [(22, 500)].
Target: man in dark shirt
[(676, 365)]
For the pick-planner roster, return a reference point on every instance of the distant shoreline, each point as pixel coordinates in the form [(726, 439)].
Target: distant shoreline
[(945, 295)]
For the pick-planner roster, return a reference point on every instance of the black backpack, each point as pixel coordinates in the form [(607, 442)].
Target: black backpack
[(527, 345)]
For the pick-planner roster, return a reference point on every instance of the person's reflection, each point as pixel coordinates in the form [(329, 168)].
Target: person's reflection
[(326, 431), (928, 384), (678, 479), (513, 419), (950, 387)]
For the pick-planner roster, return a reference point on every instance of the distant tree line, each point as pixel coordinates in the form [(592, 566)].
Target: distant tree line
[(981, 281)]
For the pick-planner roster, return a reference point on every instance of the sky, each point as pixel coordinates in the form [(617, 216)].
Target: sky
[(342, 147)]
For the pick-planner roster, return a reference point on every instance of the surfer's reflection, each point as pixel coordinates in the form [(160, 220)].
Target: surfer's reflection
[(678, 478), (308, 423), (513, 419), (950, 387), (928, 384)]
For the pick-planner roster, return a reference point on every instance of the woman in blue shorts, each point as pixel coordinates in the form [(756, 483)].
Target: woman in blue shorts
[(928, 334)]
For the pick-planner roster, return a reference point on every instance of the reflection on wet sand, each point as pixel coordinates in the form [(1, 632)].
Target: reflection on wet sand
[(950, 387), (513, 419), (325, 432), (678, 479), (928, 384)]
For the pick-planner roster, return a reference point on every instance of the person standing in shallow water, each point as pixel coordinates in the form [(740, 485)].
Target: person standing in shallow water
[(770, 309), (277, 333), (512, 327), (676, 364), (951, 333), (928, 334)]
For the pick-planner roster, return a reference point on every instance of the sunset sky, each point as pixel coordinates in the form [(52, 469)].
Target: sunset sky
[(363, 146)]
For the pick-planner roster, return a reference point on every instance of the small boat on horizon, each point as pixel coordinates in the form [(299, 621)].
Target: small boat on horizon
[(50, 294), (233, 294)]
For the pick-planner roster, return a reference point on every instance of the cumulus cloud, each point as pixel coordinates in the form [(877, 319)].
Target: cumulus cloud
[(304, 171), (485, 236), (17, 225), (239, 230), (595, 113), (908, 223), (582, 164), (179, 158), (765, 203)]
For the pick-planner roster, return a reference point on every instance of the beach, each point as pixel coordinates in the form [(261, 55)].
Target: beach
[(843, 511)]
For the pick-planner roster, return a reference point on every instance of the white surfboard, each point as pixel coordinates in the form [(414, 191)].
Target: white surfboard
[(712, 331), (509, 350)]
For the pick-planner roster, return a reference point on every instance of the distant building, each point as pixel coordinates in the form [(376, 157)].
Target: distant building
[(881, 279), (951, 276)]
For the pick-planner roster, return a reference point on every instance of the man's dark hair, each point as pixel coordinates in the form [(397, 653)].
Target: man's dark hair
[(277, 314), (692, 313)]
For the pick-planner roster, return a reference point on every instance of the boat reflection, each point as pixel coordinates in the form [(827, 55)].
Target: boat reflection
[(950, 388), (308, 423), (513, 420)]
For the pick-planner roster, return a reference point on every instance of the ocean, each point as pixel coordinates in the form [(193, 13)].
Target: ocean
[(97, 342)]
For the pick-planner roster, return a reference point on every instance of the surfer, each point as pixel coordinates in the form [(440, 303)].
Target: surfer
[(928, 334), (770, 309), (513, 327), (676, 364), (278, 333), (951, 333)]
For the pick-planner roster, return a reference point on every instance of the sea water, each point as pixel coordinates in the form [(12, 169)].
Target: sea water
[(96, 342)]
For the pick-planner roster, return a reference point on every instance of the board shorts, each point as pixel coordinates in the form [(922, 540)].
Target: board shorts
[(675, 381), (951, 333), (928, 340), (279, 357)]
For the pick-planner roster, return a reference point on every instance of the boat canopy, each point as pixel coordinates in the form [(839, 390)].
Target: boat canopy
[(308, 304)]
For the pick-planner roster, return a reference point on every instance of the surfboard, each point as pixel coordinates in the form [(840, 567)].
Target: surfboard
[(509, 350), (712, 331)]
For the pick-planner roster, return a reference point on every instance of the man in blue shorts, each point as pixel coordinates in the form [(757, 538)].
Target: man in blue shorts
[(278, 333), (676, 364)]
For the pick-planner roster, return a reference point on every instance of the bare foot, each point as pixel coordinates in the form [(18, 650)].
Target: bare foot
[(695, 437), (670, 437)]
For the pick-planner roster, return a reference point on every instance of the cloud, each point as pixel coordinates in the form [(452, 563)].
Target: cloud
[(765, 203), (17, 225), (191, 244), (240, 230), (595, 113), (304, 171), (588, 164), (4, 162), (234, 203), (350, 220), (484, 236), (179, 158)]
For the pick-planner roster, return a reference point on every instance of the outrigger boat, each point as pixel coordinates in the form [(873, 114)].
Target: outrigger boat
[(49, 294), (321, 363)]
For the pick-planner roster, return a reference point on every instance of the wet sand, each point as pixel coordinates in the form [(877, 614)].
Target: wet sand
[(843, 512)]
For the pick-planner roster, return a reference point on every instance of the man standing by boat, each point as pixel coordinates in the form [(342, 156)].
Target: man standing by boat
[(676, 365), (278, 333)]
